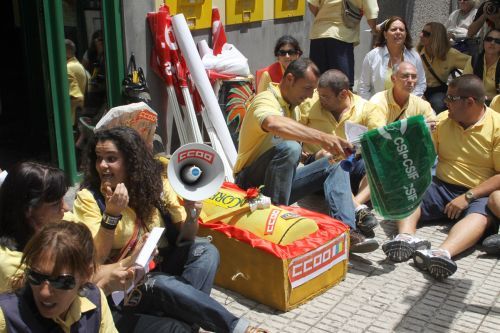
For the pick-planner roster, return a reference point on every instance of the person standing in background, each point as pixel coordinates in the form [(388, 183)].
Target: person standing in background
[(332, 41), (77, 80), (458, 23)]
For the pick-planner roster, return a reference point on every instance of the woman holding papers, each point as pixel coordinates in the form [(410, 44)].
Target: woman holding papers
[(125, 195)]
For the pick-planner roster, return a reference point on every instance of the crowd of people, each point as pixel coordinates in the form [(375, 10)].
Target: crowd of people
[(61, 266)]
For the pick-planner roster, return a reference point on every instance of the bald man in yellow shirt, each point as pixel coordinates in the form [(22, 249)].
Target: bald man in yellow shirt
[(330, 108), (467, 141)]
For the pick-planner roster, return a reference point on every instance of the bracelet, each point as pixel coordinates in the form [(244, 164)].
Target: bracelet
[(110, 222)]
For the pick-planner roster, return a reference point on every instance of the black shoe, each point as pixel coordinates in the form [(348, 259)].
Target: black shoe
[(436, 262), (366, 222), (491, 244), (361, 244), (403, 246)]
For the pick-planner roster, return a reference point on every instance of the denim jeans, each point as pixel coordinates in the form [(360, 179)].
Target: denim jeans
[(436, 100), (187, 297), (285, 183), (331, 53)]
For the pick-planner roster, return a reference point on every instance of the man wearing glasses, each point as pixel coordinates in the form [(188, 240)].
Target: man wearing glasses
[(467, 141)]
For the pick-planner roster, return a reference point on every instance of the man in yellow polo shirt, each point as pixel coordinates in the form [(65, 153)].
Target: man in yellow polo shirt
[(467, 141), (331, 106), (399, 102), (77, 80), (332, 38), (270, 147)]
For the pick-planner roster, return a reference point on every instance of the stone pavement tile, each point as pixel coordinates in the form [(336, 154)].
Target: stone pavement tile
[(317, 330)]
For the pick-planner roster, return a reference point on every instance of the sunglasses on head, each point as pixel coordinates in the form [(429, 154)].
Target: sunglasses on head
[(492, 39), (285, 52), (426, 33), (62, 282)]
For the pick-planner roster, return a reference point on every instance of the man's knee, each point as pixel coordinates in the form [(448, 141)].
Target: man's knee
[(494, 203), (291, 150), (208, 253)]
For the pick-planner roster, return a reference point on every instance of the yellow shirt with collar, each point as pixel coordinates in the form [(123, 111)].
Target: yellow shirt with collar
[(253, 140), (442, 68), (10, 262), (328, 22), (77, 82), (79, 306), (414, 107), (467, 157), (488, 77), (360, 112)]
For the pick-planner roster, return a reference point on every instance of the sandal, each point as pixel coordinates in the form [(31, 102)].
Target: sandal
[(252, 329)]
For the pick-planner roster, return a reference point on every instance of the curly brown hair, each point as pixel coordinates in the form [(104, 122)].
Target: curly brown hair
[(143, 171)]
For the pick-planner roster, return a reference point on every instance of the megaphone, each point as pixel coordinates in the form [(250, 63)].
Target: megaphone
[(195, 171)]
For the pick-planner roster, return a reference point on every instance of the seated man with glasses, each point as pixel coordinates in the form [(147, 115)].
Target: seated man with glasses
[(467, 141)]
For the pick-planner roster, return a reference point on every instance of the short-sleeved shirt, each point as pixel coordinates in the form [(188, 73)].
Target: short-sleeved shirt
[(442, 68), (393, 112), (328, 22), (361, 112), (467, 157), (495, 103), (488, 77), (87, 211), (10, 262), (253, 140), (77, 82)]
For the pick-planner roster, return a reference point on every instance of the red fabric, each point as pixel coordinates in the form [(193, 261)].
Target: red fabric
[(329, 228), (275, 72), (218, 33)]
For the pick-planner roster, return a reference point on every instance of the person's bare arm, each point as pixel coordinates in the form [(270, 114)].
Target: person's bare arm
[(290, 129), (314, 10), (475, 26)]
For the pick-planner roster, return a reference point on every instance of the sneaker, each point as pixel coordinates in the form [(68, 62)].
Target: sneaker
[(491, 244), (366, 221), (361, 244), (437, 262), (403, 246)]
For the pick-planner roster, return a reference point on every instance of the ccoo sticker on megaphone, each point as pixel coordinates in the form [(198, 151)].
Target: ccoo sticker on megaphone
[(195, 171)]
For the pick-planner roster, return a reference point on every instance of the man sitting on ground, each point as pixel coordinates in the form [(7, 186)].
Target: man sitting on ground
[(270, 147), (328, 111), (467, 141)]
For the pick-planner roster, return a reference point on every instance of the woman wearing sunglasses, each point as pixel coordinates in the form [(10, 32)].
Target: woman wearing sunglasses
[(286, 50), (439, 59), (125, 195), (394, 45), (30, 197), (53, 291), (485, 65)]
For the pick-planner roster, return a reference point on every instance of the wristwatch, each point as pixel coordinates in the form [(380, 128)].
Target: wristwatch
[(110, 222), (469, 196)]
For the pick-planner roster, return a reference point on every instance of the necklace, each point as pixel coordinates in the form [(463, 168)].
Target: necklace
[(392, 63)]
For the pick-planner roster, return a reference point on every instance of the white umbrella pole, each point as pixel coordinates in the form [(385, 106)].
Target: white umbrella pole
[(190, 115), (174, 106)]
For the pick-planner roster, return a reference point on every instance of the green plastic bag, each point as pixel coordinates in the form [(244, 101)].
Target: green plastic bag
[(398, 160)]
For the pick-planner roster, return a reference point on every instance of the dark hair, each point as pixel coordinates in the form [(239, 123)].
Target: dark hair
[(92, 55), (469, 85), (299, 67), (284, 40), (143, 171), (70, 246), (335, 80), (381, 41), (27, 186)]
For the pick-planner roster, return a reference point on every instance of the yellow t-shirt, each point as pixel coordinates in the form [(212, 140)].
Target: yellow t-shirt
[(415, 106), (79, 306), (86, 210), (495, 103), (442, 68), (328, 22), (467, 157), (361, 112), (488, 77), (77, 82), (10, 262), (253, 140)]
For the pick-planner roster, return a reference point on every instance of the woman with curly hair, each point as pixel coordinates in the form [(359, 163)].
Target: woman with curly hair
[(439, 59), (125, 194), (393, 45)]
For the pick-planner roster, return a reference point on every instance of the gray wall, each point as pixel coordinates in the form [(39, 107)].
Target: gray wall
[(256, 40)]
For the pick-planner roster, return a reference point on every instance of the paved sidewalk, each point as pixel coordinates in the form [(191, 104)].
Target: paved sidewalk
[(381, 296)]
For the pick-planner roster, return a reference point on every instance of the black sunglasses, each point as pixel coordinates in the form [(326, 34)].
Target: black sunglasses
[(62, 282), (426, 33), (492, 39), (450, 98), (285, 52)]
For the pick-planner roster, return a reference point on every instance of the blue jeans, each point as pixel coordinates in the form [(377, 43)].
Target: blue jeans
[(284, 183), (187, 297), (436, 100), (331, 53)]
